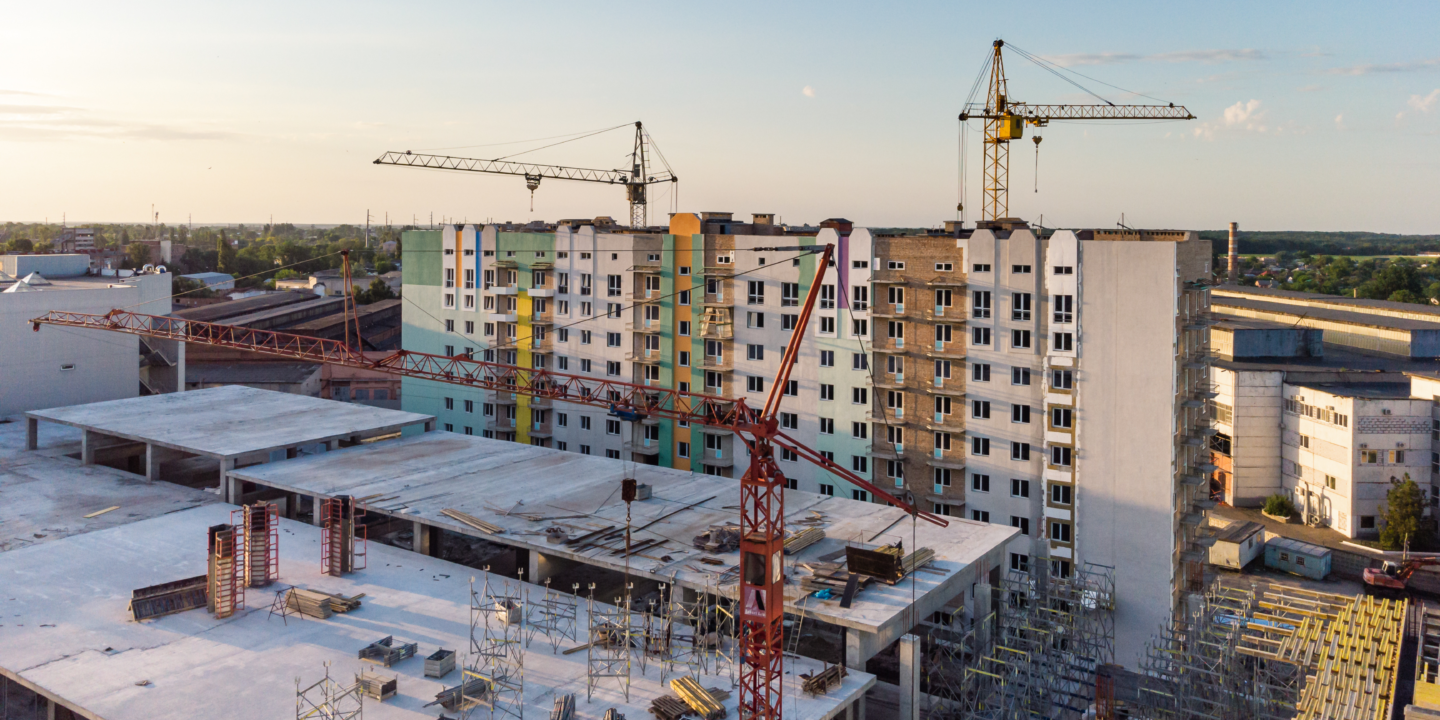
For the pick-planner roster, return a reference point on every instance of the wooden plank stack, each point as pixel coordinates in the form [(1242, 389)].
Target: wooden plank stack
[(824, 681), (564, 707), (472, 521), (803, 539), (318, 604), (916, 560), (667, 707), (698, 698)]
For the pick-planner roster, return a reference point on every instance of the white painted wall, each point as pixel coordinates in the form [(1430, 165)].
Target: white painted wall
[(106, 365)]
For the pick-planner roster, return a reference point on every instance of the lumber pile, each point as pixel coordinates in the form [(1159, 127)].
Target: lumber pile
[(453, 698), (472, 521), (803, 539), (318, 604), (376, 686), (824, 681), (613, 714), (916, 560), (698, 698), (564, 707)]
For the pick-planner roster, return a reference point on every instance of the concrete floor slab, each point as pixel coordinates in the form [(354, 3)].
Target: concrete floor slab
[(65, 632), (415, 478), (230, 421)]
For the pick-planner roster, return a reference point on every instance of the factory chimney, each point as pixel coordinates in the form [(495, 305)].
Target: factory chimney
[(1234, 252)]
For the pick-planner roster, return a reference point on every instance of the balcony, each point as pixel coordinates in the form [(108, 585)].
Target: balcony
[(944, 313), (891, 277), (503, 397), (545, 345), (507, 317), (645, 326), (500, 424), (946, 386), (503, 290), (888, 416), (716, 331), (719, 457), (722, 363), (645, 446), (946, 350), (540, 403), (952, 422), (540, 429), (540, 292), (954, 459), (887, 381), (893, 346), (542, 318), (887, 310), (649, 357)]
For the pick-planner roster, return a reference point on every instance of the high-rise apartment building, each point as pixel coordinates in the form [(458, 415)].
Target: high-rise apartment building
[(1056, 384)]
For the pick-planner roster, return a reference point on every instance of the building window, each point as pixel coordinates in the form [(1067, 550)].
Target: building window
[(1062, 379), (682, 449), (754, 320), (1367, 522), (789, 421), (1020, 339), (612, 339), (1064, 269), (612, 427), (827, 426), (827, 358), (859, 396), (449, 403), (470, 406), (1020, 306), (792, 388), (450, 326), (1061, 418), (980, 267), (980, 515), (980, 409), (859, 430), (755, 294), (861, 298), (944, 267), (1020, 562), (755, 384), (980, 304), (1019, 488), (612, 368), (942, 509), (1020, 522), (1060, 494), (861, 495), (1020, 269), (980, 447), (979, 483), (789, 455), (827, 490), (860, 328), (1064, 342), (1019, 451), (1059, 531), (980, 336), (1063, 307), (980, 372), (827, 391), (860, 463), (859, 361), (1304, 441), (1060, 456), (1019, 413), (449, 427)]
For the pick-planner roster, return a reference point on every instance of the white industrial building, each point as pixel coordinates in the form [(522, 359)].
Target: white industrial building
[(66, 366)]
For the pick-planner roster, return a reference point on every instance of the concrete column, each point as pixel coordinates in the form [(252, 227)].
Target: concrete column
[(860, 707), (860, 647), (180, 368), (909, 677), (292, 453), (984, 603), (315, 502), (89, 442), (330, 445), (32, 434), (152, 462), (429, 426), (422, 541), (229, 489)]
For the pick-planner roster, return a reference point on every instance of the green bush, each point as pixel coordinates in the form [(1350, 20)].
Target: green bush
[(1279, 506)]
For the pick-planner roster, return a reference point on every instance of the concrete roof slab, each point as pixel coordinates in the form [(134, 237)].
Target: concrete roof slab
[(227, 422)]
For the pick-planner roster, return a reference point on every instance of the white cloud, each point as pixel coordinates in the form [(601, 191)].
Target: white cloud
[(808, 91), (1427, 103), (1246, 116), (1114, 58), (1340, 121), (1410, 66)]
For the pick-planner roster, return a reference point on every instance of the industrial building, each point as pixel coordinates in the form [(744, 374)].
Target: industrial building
[(65, 368)]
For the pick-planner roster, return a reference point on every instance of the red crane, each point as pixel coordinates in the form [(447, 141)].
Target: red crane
[(762, 498)]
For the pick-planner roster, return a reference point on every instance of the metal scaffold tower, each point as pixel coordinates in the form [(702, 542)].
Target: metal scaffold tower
[(1035, 656), (497, 651), (328, 700), (1272, 652), (608, 654), (553, 616), (685, 650)]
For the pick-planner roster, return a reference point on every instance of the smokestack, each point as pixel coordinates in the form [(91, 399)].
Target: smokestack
[(1234, 251)]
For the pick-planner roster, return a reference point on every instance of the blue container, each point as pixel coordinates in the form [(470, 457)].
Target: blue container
[(1299, 558)]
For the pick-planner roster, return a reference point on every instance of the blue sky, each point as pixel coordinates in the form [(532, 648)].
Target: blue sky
[(1311, 116)]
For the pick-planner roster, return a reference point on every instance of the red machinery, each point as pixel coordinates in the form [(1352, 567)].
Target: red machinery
[(762, 500), (1394, 577)]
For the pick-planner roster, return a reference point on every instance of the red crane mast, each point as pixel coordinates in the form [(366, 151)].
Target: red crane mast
[(762, 489)]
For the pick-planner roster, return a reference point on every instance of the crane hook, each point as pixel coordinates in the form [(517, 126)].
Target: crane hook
[(1037, 139), (532, 182)]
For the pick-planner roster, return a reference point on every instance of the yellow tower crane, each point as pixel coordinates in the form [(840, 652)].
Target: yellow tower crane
[(1005, 120)]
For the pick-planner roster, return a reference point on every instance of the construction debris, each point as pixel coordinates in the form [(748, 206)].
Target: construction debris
[(376, 686), (473, 521), (803, 539), (824, 681), (719, 539), (613, 714), (98, 513), (564, 707), (698, 698), (440, 663), (167, 598), (453, 698), (385, 652)]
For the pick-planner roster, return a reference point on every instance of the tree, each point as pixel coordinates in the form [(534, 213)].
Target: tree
[(1401, 513), (383, 266), (125, 236), (22, 245), (139, 254), (228, 262), (377, 291)]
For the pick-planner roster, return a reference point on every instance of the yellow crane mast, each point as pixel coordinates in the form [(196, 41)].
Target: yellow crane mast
[(1005, 120)]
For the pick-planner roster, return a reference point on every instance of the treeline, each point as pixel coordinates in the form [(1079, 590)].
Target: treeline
[(1322, 243)]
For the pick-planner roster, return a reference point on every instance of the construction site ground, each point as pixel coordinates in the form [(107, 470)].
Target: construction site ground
[(67, 634)]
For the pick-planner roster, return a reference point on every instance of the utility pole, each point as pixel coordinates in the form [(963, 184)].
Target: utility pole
[(367, 228)]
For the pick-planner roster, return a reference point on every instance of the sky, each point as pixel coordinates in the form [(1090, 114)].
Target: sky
[(1310, 116)]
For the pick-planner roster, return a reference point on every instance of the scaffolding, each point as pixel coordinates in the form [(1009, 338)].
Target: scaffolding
[(1035, 655), (225, 581), (261, 525), (1272, 652), (553, 616), (608, 652), (328, 700), (342, 536), (497, 651)]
